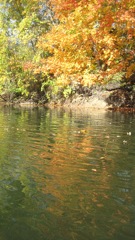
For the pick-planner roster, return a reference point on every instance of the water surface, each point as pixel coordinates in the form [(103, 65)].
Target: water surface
[(66, 175)]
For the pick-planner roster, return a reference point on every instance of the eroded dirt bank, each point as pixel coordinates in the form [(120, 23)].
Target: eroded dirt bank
[(117, 99), (109, 97)]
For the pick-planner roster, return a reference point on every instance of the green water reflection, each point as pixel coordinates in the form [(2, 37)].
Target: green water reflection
[(66, 175)]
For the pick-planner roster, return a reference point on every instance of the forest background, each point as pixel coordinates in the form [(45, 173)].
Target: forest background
[(51, 48)]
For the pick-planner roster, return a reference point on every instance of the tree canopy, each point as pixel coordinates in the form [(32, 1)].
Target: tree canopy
[(83, 41)]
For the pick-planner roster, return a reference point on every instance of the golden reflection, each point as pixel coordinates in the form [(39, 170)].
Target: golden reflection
[(76, 177)]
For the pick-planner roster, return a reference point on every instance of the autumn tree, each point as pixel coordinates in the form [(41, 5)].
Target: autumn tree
[(65, 42), (21, 23), (93, 42)]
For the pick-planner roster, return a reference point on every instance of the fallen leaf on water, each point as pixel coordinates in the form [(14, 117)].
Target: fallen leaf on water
[(102, 158), (94, 170), (83, 131), (107, 136), (100, 205)]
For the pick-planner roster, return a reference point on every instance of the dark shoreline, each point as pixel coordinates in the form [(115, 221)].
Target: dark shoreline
[(110, 97)]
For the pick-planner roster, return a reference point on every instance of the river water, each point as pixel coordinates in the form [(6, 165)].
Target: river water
[(66, 175)]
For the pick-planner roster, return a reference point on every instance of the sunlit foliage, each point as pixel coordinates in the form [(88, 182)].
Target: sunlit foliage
[(94, 40), (63, 42), (21, 23)]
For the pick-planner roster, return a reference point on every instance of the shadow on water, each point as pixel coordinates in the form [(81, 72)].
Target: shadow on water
[(66, 175)]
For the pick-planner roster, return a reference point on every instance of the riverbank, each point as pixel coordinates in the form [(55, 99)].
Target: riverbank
[(118, 100), (112, 97)]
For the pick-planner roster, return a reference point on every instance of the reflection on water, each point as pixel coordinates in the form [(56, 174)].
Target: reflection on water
[(66, 175)]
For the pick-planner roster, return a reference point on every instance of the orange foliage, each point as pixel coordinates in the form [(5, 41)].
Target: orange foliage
[(93, 37), (63, 7)]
